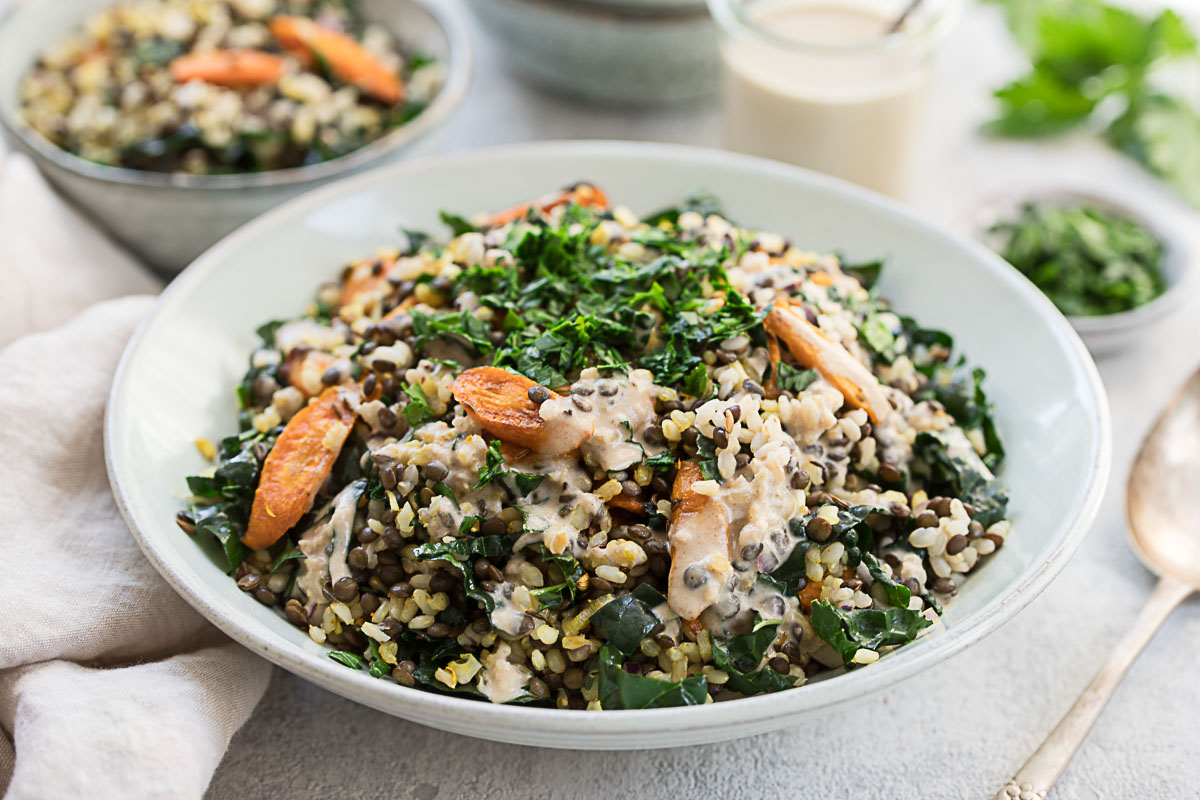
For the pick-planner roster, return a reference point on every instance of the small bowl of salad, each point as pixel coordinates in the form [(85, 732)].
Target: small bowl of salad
[(172, 122), (1109, 269)]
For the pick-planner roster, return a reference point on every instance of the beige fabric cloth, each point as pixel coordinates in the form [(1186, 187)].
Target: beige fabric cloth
[(110, 685), (53, 262)]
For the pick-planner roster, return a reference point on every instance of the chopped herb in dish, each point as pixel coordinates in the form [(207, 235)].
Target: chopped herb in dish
[(579, 459), (1088, 261), (1093, 62), (222, 86)]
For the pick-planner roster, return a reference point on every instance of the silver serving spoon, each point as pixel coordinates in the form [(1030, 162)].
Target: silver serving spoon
[(1165, 533)]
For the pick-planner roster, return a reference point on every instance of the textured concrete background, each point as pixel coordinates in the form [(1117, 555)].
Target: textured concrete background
[(957, 731)]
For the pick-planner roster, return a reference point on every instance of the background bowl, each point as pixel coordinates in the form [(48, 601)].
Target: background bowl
[(173, 385), (169, 219), (1107, 333), (629, 52)]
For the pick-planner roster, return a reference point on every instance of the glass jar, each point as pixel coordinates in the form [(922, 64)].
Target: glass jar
[(832, 85)]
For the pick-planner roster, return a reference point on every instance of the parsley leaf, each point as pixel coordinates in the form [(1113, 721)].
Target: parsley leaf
[(790, 379), (1086, 51), (418, 411)]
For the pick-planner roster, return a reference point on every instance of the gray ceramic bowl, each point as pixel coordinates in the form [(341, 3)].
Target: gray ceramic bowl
[(1109, 333), (169, 219), (627, 52)]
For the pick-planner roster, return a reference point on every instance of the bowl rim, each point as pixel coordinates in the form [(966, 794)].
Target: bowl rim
[(459, 68), (763, 711), (1178, 274)]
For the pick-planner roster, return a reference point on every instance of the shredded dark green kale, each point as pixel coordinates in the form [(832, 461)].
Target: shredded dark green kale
[(1088, 261)]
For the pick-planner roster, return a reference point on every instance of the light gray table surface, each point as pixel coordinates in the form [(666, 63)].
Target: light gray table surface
[(956, 731)]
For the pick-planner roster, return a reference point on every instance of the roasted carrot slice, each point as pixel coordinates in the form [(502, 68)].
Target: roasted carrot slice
[(815, 351), (303, 369), (298, 465), (812, 591), (404, 306), (583, 194), (631, 505), (366, 281), (345, 57), (699, 540), (233, 68), (499, 401)]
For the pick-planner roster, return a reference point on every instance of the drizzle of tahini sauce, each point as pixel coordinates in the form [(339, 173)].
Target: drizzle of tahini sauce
[(326, 544), (565, 427), (502, 680), (754, 506), (560, 506), (622, 407), (699, 537)]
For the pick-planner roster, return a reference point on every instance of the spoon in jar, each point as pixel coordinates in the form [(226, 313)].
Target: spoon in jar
[(1165, 535)]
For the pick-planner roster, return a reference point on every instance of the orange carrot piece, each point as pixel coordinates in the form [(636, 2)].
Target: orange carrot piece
[(346, 58), (235, 68), (298, 465), (365, 281), (814, 350), (513, 453), (583, 194), (404, 306), (821, 278), (499, 401), (812, 591), (300, 364), (628, 504)]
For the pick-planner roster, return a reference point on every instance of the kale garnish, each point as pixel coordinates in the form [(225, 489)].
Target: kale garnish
[(226, 497), (620, 689), (846, 631), (741, 658), (955, 476), (624, 621)]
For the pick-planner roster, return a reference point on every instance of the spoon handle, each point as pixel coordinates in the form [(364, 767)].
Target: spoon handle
[(1049, 761)]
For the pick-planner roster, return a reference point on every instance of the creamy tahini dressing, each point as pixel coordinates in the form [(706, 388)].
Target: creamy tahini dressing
[(565, 426), (506, 617), (753, 504), (613, 412), (621, 410), (345, 505), (326, 544), (503, 681), (560, 507), (699, 550)]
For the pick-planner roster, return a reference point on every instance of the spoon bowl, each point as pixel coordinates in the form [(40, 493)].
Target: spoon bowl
[(1163, 528)]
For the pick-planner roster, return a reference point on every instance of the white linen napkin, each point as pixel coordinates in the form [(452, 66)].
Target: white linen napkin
[(110, 684)]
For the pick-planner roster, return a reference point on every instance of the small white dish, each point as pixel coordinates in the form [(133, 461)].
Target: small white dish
[(174, 385), (1108, 333)]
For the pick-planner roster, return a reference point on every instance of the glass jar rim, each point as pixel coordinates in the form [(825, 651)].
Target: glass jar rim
[(731, 17)]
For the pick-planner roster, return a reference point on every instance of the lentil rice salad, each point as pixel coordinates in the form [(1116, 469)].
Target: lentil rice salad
[(579, 459), (225, 86)]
